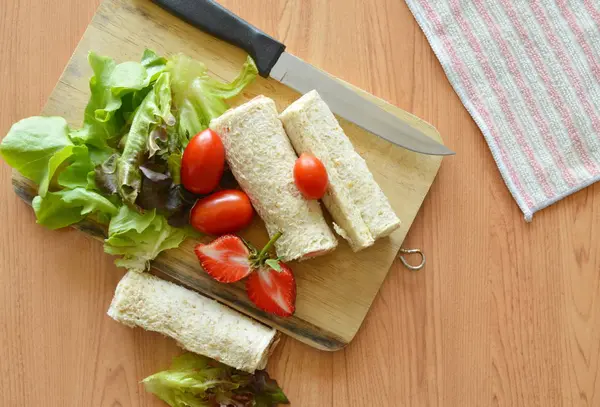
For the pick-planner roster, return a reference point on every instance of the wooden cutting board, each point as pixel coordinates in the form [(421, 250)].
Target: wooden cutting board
[(334, 291)]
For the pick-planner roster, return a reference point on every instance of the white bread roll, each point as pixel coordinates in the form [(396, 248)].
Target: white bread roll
[(262, 161), (197, 323), (359, 207)]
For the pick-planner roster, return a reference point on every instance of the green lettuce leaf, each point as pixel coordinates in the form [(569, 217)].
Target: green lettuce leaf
[(100, 127), (73, 166), (154, 111), (197, 381), (157, 142), (128, 121), (54, 163), (31, 143), (52, 212), (140, 237), (99, 155), (103, 123), (154, 64), (76, 174), (63, 208), (199, 98)]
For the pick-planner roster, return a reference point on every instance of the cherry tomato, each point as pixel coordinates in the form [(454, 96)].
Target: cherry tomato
[(310, 176), (223, 212), (203, 162)]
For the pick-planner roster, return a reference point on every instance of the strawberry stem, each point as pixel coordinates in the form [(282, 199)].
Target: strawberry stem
[(250, 247), (265, 250)]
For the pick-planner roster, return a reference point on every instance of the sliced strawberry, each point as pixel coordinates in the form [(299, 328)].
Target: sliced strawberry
[(226, 259), (273, 290), (270, 285)]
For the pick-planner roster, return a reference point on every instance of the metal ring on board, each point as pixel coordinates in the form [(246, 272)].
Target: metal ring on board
[(407, 264)]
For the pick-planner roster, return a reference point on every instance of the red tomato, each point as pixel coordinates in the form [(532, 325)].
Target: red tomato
[(203, 162), (310, 176), (223, 212)]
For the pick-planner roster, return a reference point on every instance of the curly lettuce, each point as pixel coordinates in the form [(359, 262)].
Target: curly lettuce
[(31, 143), (197, 381), (122, 167), (40, 148), (115, 93), (63, 208), (198, 97), (153, 112), (140, 237)]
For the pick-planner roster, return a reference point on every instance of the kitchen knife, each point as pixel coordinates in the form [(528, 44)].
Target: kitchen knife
[(272, 60)]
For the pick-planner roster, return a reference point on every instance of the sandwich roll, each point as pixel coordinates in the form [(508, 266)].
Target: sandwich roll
[(198, 324), (262, 160), (358, 206)]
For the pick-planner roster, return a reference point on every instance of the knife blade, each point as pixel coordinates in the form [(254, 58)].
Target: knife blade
[(272, 60)]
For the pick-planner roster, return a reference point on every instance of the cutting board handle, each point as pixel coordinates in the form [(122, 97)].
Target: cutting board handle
[(216, 20)]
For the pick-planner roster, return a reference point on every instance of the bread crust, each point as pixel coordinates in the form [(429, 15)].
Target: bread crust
[(262, 160), (358, 206), (197, 323)]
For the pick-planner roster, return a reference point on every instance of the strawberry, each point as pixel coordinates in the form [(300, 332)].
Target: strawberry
[(271, 285), (226, 259), (273, 289)]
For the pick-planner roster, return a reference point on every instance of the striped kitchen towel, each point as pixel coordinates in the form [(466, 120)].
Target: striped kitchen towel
[(528, 71)]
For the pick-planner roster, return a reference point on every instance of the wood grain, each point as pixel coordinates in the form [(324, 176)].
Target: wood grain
[(335, 291), (504, 314)]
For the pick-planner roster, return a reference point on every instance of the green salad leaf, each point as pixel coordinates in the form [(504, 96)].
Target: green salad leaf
[(99, 127), (197, 381), (154, 111), (154, 64), (77, 173), (103, 122), (198, 97), (140, 237), (122, 167), (54, 163), (32, 142), (63, 208)]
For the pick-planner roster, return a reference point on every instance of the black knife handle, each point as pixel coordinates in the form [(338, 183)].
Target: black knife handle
[(214, 19)]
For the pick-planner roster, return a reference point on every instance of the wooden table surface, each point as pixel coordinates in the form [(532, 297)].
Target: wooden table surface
[(505, 313)]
